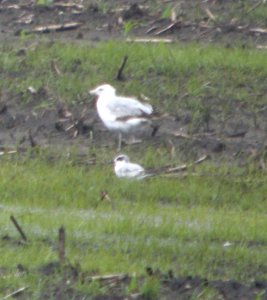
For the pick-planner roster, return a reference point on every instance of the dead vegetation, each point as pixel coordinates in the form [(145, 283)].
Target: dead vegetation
[(182, 20)]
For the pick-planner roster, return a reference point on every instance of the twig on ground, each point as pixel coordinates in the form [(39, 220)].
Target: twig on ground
[(55, 68), (167, 28), (258, 30), (70, 127), (185, 167), (8, 152), (110, 277), (172, 148), (16, 224), (16, 293), (78, 125), (201, 159), (120, 71), (61, 5), (178, 133), (209, 13), (31, 139), (152, 28), (56, 27), (13, 6), (25, 19), (177, 169), (105, 196), (61, 245), (68, 5), (149, 40)]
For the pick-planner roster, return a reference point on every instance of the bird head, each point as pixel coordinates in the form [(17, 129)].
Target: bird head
[(121, 158), (103, 89)]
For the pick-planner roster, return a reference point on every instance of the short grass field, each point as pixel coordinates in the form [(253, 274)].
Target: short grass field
[(159, 71), (165, 223), (209, 223)]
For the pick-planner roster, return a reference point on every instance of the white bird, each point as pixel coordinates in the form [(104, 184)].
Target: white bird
[(125, 169), (120, 114)]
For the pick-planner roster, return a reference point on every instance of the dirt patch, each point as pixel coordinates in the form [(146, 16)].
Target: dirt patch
[(68, 281), (60, 282), (25, 128), (216, 21)]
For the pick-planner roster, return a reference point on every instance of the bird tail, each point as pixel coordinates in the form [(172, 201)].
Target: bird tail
[(147, 108)]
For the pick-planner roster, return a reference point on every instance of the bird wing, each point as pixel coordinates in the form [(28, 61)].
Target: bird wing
[(127, 107), (133, 170)]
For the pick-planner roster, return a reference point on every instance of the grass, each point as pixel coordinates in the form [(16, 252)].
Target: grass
[(162, 223), (206, 81), (177, 223), (200, 72)]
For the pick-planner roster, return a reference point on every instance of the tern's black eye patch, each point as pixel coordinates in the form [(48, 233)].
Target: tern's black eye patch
[(120, 158)]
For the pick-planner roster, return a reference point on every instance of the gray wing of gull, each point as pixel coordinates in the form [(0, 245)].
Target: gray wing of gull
[(128, 107)]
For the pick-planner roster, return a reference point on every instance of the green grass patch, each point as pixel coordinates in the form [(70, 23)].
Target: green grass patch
[(199, 71), (165, 223)]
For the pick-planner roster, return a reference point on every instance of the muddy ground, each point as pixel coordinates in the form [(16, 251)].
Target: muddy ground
[(99, 20), (79, 20), (60, 281)]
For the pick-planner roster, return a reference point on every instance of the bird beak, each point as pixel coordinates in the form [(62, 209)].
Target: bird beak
[(92, 92)]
